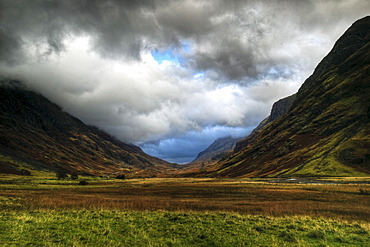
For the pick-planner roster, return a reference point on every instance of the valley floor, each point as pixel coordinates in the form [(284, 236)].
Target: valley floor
[(183, 212)]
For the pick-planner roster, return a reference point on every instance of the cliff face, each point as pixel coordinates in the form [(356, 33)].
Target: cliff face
[(279, 108), (326, 131), (36, 134)]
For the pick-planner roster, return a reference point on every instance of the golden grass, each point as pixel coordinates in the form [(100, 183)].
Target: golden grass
[(343, 201)]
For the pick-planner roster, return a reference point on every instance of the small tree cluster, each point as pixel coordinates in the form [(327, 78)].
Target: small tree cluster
[(61, 175), (83, 182), (74, 176)]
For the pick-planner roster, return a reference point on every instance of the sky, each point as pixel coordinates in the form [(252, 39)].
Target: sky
[(170, 76)]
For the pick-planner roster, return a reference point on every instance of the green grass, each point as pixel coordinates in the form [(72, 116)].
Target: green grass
[(130, 228)]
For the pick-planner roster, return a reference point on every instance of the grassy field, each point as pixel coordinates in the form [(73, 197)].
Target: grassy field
[(182, 212), (133, 228)]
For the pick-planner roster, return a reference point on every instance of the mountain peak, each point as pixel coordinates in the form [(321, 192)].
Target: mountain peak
[(353, 39)]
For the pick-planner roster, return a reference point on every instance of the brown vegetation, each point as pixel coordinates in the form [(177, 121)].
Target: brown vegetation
[(344, 201)]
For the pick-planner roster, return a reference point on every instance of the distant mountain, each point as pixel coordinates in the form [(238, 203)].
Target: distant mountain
[(36, 134), (326, 131), (223, 146), (217, 149)]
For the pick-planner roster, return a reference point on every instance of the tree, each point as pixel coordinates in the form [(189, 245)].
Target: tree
[(74, 176), (62, 175), (83, 182)]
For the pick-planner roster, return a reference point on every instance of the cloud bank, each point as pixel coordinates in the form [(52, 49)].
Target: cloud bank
[(170, 76)]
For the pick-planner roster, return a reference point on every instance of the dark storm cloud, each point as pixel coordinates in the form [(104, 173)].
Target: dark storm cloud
[(234, 39), (228, 61), (117, 27)]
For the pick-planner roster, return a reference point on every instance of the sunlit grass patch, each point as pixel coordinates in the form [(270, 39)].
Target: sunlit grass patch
[(10, 203), (132, 228)]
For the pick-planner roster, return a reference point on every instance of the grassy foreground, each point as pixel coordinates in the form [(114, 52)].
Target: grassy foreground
[(130, 228)]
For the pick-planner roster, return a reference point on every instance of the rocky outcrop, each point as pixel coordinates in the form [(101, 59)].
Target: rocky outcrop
[(279, 108)]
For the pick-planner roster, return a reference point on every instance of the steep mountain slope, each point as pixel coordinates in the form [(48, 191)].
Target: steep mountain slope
[(327, 129), (37, 134), (223, 147), (279, 108)]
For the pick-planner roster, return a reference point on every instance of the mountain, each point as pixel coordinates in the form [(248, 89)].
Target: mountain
[(36, 134), (217, 149), (279, 108), (223, 146), (326, 131)]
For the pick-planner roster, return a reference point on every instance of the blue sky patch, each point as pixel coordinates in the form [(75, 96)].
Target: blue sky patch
[(167, 55)]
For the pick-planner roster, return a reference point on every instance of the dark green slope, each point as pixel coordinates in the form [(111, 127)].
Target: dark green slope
[(327, 129), (36, 134), (279, 108)]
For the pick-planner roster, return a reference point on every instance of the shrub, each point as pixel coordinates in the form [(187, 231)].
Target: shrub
[(83, 182), (25, 172), (121, 176), (61, 175), (74, 176)]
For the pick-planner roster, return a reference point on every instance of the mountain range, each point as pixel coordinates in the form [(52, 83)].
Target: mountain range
[(326, 130), (223, 147), (322, 130)]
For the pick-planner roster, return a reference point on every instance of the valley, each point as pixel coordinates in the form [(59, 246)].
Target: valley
[(330, 198), (183, 212), (301, 178)]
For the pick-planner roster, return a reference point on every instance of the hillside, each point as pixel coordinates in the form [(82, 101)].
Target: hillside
[(326, 131), (279, 108), (223, 147), (36, 134)]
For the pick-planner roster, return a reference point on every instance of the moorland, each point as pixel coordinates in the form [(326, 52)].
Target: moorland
[(45, 211)]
